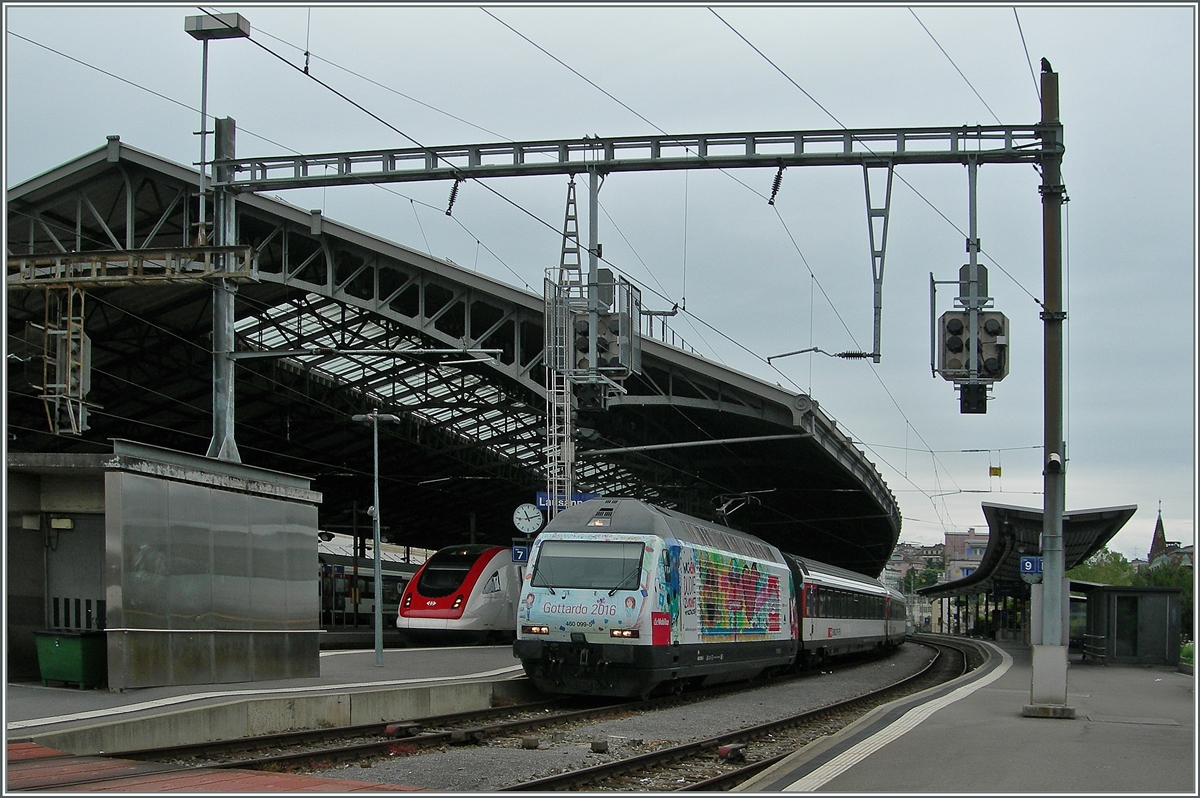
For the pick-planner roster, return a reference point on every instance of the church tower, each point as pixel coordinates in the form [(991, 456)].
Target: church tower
[(1158, 546)]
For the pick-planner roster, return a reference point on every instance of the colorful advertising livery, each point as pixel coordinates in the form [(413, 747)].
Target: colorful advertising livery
[(621, 597)]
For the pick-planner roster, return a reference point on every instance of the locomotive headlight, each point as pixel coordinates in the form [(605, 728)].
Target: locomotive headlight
[(623, 633), (407, 600), (535, 630), (458, 600)]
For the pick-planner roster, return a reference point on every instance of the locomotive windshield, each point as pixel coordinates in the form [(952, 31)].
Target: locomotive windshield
[(446, 570), (599, 565)]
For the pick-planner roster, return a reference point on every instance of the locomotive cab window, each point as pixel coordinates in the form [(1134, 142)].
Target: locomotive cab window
[(599, 565), (493, 584), (446, 570)]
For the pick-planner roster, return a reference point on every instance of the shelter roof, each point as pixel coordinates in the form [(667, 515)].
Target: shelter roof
[(374, 324), (1016, 532)]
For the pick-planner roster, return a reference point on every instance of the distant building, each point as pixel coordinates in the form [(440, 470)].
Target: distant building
[(932, 553), (963, 552), (912, 556), (916, 558), (1158, 543), (1167, 552)]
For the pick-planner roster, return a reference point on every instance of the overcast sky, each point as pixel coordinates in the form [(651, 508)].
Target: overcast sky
[(757, 280)]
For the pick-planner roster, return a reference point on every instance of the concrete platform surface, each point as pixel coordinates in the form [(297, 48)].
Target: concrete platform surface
[(31, 710), (1134, 732)]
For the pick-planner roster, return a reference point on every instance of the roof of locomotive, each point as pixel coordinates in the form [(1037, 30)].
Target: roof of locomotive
[(635, 517)]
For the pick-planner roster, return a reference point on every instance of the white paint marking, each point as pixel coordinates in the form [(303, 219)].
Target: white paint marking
[(182, 699), (906, 723)]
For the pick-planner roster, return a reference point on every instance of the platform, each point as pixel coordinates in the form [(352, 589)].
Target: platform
[(1134, 731), (30, 767), (351, 690)]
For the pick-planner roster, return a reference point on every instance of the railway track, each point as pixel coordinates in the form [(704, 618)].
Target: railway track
[(694, 765), (718, 762)]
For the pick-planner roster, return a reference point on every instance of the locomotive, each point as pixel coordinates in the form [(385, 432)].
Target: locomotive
[(623, 598)]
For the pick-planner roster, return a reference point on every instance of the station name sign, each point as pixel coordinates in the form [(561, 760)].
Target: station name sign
[(543, 499)]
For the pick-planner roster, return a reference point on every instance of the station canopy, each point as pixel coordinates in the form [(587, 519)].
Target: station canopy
[(1015, 532), (370, 323)]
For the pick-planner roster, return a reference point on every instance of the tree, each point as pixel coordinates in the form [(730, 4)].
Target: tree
[(914, 579), (1105, 568)]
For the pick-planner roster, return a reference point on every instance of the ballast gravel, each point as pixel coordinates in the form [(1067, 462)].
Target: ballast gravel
[(504, 761)]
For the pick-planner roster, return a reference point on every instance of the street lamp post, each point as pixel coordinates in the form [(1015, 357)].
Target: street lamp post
[(222, 446), (204, 28), (372, 419)]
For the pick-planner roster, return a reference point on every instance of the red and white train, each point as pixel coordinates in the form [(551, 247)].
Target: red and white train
[(462, 594), (623, 598)]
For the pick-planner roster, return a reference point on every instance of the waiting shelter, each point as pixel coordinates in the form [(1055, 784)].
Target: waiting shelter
[(995, 600), (1132, 625)]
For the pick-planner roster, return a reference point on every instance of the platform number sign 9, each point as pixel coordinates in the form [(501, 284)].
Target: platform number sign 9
[(1031, 569)]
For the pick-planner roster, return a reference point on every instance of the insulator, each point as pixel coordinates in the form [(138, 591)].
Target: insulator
[(854, 355), (453, 196), (775, 186)]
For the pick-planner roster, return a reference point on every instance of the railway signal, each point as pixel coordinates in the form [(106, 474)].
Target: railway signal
[(990, 337)]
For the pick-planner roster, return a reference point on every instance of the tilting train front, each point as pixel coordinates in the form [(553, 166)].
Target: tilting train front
[(462, 594), (621, 597)]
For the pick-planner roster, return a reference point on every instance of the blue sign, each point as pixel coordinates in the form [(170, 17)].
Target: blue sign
[(520, 553), (543, 499), (1031, 565)]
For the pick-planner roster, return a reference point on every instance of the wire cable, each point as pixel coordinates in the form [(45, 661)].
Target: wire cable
[(897, 174), (340, 94), (1036, 88), (956, 69), (386, 88)]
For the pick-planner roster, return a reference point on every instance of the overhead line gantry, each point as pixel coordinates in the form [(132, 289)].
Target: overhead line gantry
[(872, 149), (866, 147)]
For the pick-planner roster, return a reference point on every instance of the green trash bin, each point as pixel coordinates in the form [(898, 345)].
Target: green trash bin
[(79, 658)]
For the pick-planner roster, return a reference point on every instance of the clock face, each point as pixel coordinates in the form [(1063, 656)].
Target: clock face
[(528, 518)]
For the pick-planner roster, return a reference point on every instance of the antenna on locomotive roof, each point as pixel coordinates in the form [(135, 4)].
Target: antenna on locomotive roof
[(732, 502)]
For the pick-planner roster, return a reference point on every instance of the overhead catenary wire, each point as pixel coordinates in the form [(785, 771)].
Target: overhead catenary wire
[(1036, 86), (184, 105), (627, 107), (390, 89), (898, 175), (956, 69), (411, 201), (901, 177)]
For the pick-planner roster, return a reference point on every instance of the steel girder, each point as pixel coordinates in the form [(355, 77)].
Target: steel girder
[(472, 436)]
